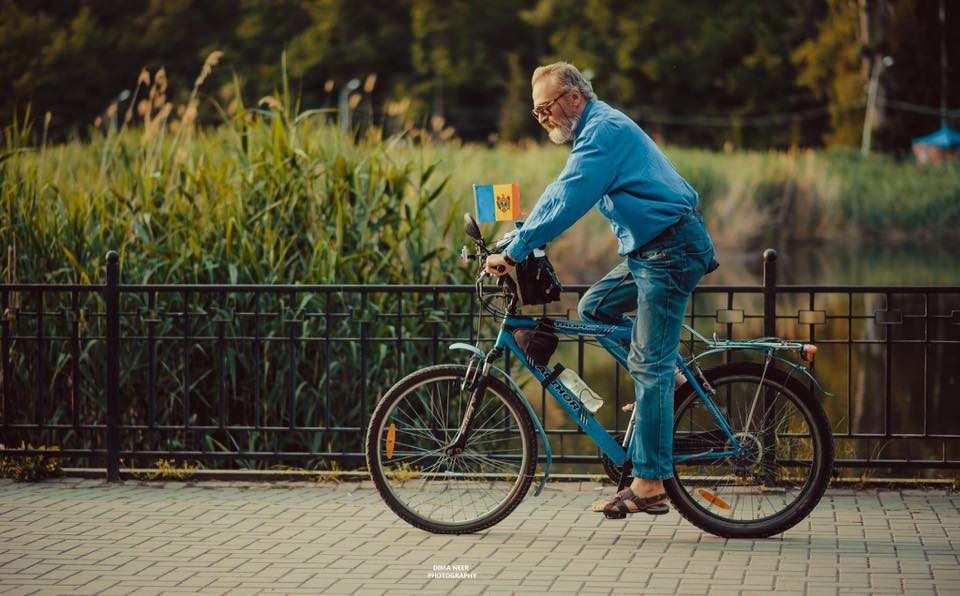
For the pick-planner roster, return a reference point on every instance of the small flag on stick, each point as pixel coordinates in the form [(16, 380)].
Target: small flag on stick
[(497, 202)]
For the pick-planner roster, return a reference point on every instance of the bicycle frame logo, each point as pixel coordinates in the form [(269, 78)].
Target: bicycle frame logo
[(586, 328)]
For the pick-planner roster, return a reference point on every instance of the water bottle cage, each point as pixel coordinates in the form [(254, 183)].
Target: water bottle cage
[(553, 375)]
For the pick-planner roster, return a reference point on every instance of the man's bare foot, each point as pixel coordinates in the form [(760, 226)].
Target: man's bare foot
[(641, 488)]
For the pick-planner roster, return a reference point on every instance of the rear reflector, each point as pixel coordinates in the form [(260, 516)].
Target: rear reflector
[(714, 499), (391, 439)]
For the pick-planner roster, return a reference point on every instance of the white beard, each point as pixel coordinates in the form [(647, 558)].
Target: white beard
[(565, 132)]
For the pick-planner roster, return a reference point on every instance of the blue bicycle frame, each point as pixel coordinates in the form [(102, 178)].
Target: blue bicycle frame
[(572, 405), (616, 336)]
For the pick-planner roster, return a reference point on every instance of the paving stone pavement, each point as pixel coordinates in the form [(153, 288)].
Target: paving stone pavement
[(74, 536)]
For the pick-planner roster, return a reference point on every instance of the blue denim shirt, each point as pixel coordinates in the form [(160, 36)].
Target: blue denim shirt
[(617, 167)]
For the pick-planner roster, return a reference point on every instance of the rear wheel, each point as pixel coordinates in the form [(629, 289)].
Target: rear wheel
[(783, 469), (407, 438)]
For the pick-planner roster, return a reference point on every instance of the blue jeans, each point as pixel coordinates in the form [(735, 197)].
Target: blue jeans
[(656, 280)]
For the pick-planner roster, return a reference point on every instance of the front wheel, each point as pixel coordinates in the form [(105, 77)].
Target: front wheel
[(782, 469), (407, 441)]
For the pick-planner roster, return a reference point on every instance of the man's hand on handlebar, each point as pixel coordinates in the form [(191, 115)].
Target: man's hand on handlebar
[(497, 265)]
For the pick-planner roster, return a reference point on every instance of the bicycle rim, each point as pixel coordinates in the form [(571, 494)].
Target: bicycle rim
[(438, 490)]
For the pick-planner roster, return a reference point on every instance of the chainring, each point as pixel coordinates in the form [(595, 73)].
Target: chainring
[(612, 470)]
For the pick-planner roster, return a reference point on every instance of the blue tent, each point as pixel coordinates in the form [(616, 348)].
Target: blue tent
[(945, 138)]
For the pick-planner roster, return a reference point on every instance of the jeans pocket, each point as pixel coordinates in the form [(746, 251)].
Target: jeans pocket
[(661, 256), (656, 254)]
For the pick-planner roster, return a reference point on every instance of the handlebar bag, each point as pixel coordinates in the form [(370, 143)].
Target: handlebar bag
[(537, 282)]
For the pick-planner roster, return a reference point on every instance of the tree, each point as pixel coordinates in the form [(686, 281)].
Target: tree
[(692, 70), (830, 66), (460, 55)]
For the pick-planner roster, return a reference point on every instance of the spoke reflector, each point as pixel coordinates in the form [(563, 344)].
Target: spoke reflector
[(391, 439), (709, 496)]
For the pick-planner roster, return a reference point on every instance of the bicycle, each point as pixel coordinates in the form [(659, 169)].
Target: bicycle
[(452, 448)]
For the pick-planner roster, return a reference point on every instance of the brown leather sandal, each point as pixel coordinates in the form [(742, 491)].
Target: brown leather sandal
[(617, 509), (600, 505)]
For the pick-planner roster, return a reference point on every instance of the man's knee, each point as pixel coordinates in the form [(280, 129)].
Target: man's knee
[(587, 307), (645, 360)]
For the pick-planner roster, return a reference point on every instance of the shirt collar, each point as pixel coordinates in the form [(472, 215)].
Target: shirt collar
[(583, 117)]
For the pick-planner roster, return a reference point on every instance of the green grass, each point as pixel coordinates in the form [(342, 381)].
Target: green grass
[(265, 200)]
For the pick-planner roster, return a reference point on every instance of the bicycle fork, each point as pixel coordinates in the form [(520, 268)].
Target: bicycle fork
[(478, 385)]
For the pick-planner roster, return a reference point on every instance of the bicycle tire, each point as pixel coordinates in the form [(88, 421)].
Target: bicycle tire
[(814, 486), (375, 432)]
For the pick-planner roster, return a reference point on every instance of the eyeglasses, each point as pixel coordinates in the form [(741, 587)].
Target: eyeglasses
[(544, 109)]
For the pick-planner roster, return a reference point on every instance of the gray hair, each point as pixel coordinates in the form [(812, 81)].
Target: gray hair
[(567, 76)]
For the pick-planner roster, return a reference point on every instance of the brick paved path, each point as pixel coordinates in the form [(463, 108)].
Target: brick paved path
[(83, 536)]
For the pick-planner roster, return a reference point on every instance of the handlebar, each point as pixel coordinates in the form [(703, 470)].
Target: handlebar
[(484, 250)]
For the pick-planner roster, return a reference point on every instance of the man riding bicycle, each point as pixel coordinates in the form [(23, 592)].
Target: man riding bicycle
[(616, 167)]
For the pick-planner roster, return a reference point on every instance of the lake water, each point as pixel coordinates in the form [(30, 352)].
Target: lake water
[(834, 263), (839, 263)]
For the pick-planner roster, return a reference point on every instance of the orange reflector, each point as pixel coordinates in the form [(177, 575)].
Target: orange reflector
[(709, 496), (391, 439), (808, 352)]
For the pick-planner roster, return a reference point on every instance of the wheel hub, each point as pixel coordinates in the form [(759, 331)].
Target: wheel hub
[(750, 454)]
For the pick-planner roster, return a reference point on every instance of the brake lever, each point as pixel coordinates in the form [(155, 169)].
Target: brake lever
[(499, 268)]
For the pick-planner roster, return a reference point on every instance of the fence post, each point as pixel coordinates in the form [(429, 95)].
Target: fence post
[(112, 295), (769, 292), (768, 436)]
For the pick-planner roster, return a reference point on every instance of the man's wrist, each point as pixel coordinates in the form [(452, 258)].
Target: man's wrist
[(509, 260)]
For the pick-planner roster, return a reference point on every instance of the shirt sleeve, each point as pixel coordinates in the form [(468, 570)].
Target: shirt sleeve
[(585, 178)]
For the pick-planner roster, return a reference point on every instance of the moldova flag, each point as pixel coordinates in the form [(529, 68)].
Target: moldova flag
[(497, 202)]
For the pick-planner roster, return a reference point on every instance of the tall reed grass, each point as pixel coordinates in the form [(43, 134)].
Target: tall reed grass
[(273, 194)]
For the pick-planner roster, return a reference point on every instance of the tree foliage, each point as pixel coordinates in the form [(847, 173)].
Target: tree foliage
[(738, 73)]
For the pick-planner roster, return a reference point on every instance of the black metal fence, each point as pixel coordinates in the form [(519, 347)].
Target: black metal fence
[(250, 376)]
